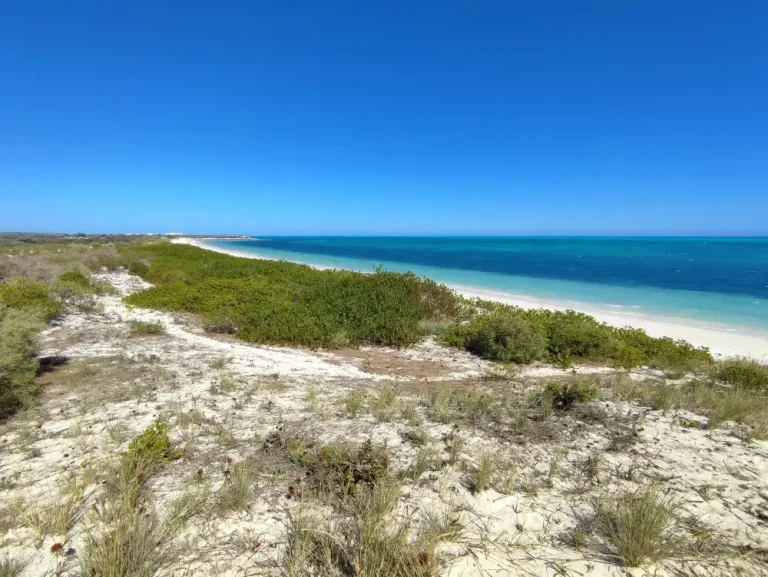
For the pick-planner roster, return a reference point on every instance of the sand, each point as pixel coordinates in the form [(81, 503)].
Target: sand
[(722, 341), (222, 398)]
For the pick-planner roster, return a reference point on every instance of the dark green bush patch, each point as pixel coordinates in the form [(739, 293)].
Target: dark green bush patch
[(510, 334), (285, 303), (498, 337)]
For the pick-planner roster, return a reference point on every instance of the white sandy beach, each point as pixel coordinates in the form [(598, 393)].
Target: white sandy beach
[(720, 340)]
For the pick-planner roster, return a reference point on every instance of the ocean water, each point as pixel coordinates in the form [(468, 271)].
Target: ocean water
[(722, 281)]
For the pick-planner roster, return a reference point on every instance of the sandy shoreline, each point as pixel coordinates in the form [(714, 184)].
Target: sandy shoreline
[(721, 341)]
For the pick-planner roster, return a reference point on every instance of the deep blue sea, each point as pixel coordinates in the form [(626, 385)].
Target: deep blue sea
[(715, 280)]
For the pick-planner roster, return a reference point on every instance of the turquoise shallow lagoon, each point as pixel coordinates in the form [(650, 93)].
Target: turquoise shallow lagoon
[(721, 281)]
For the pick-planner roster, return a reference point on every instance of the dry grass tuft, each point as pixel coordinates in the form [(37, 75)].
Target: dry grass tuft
[(636, 527), (359, 539)]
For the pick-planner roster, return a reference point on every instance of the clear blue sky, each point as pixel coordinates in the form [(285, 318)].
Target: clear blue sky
[(285, 117)]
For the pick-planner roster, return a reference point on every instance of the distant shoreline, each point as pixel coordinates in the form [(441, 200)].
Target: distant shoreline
[(721, 341)]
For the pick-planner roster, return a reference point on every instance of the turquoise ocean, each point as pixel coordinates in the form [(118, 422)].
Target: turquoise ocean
[(717, 281)]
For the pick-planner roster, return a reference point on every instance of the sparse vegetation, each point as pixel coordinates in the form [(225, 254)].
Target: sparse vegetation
[(480, 477), (237, 492), (360, 536)]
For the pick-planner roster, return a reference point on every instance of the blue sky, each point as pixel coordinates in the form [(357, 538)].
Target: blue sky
[(510, 117)]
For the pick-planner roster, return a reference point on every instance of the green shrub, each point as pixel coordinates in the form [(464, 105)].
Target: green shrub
[(152, 446), (138, 268), (75, 277), (743, 373), (24, 293), (506, 333), (19, 334), (501, 338), (284, 303)]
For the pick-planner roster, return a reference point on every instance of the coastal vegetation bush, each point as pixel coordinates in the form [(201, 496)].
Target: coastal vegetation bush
[(744, 373), (19, 334), (285, 303), (278, 302), (23, 293), (510, 334)]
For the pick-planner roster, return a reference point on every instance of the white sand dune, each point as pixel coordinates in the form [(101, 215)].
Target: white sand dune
[(721, 340)]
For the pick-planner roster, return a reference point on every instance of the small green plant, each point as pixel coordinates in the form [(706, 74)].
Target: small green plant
[(218, 363), (312, 398), (354, 402), (454, 445), (10, 567), (480, 477), (689, 423), (562, 396), (427, 459), (410, 412), (637, 525), (153, 445), (146, 329), (237, 492), (384, 404)]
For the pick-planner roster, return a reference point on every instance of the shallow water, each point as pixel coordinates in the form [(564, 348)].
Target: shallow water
[(722, 280)]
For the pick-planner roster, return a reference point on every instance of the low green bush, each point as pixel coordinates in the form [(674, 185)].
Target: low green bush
[(743, 373), (75, 277), (510, 334), (138, 268), (286, 303), (21, 293), (19, 335), (498, 337)]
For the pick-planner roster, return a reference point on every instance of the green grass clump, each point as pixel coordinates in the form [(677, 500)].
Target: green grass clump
[(743, 373), (286, 303), (562, 396), (19, 336), (23, 293), (146, 329), (636, 526), (153, 445)]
